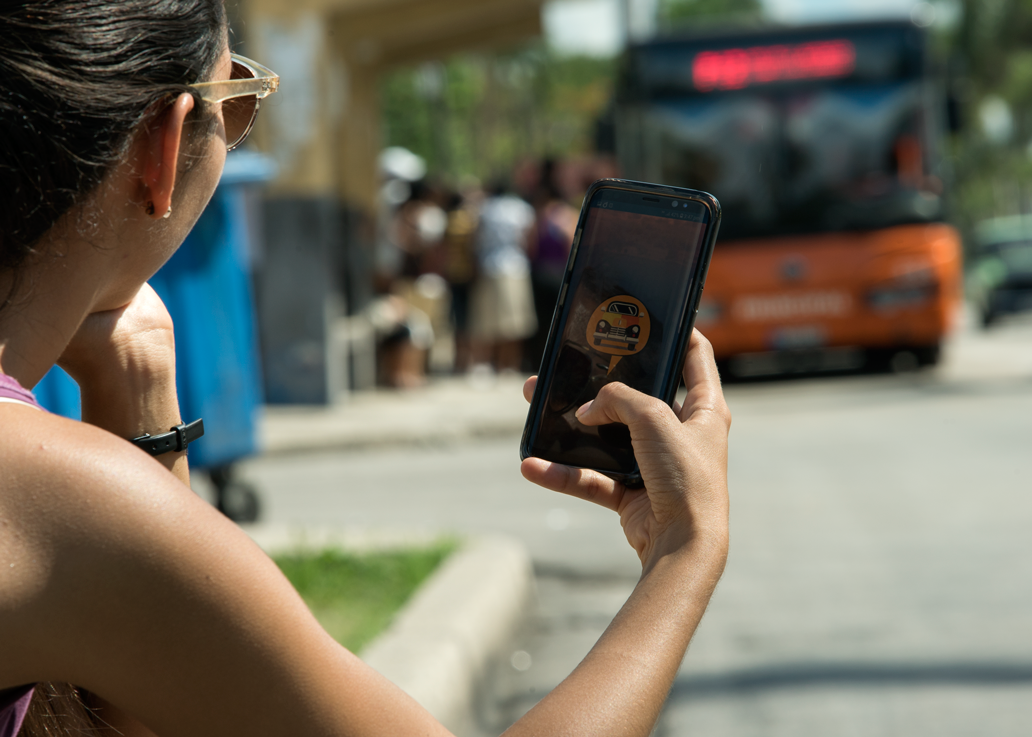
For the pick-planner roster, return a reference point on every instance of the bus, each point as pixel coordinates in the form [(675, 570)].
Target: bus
[(822, 144)]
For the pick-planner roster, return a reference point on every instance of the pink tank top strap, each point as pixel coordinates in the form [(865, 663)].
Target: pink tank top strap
[(11, 389), (14, 704)]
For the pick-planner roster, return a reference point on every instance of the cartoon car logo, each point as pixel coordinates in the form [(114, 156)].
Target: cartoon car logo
[(618, 327), (619, 324)]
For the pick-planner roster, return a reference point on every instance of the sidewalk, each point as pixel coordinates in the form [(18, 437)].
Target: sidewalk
[(448, 409), (451, 409)]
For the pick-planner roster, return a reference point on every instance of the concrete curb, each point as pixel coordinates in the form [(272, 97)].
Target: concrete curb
[(441, 645), (444, 640)]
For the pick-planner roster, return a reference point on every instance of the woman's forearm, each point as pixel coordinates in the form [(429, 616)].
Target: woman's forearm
[(135, 403), (620, 687), (124, 361)]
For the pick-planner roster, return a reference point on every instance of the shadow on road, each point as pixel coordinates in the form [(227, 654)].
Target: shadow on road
[(852, 675)]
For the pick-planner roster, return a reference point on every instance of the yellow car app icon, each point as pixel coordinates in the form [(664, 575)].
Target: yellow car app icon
[(618, 327)]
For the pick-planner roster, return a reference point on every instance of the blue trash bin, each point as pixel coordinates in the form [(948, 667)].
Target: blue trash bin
[(206, 287), (58, 393)]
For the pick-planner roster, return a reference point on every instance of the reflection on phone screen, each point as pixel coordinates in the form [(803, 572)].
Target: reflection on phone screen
[(621, 319)]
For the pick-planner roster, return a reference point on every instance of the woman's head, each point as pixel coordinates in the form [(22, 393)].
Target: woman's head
[(78, 79)]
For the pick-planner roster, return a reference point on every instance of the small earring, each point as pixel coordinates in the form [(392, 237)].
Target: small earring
[(149, 209), (168, 213)]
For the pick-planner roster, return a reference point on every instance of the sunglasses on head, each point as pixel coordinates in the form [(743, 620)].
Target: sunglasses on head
[(240, 96)]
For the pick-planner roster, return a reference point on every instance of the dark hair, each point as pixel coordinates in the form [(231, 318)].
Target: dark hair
[(77, 77), (498, 186), (59, 709), (549, 185)]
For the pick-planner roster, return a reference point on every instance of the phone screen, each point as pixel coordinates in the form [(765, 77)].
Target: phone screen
[(620, 321)]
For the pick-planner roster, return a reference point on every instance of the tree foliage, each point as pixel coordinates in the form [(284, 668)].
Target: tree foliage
[(481, 114), (678, 13), (990, 53)]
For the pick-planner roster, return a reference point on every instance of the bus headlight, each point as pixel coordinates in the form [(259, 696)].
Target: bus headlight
[(909, 290)]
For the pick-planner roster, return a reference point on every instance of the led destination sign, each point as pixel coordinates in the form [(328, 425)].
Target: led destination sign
[(734, 69)]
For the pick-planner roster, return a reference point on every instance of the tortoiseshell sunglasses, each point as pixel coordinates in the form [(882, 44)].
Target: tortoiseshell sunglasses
[(240, 95)]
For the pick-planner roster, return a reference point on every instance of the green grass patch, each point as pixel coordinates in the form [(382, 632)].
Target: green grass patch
[(356, 595)]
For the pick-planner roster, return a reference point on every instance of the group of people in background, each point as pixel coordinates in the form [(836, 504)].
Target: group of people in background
[(480, 267)]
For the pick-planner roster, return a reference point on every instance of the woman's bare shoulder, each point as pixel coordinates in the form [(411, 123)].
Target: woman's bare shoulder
[(95, 536), (57, 473), (79, 504), (116, 577)]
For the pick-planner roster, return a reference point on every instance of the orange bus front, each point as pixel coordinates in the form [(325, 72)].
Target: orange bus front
[(895, 289)]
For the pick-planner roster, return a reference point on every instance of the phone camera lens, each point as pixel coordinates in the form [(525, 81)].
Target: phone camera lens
[(674, 203)]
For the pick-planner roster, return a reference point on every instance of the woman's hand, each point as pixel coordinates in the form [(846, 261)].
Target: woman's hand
[(681, 452), (124, 362), (129, 344)]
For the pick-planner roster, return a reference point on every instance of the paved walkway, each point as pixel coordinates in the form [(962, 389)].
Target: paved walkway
[(447, 409)]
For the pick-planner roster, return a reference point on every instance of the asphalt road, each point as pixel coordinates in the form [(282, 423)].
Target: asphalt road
[(880, 576)]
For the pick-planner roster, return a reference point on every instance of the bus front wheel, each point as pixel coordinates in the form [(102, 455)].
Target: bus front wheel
[(928, 355), (903, 359)]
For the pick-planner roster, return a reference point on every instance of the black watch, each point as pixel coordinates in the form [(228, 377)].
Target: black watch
[(176, 439)]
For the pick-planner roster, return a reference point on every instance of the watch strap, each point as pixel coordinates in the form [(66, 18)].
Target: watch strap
[(175, 440)]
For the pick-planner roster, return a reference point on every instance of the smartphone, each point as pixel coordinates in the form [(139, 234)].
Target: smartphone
[(625, 313)]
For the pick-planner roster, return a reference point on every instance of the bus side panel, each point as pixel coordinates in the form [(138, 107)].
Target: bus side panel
[(894, 287)]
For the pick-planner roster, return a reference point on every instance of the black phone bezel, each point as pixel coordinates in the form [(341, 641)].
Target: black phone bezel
[(686, 321)]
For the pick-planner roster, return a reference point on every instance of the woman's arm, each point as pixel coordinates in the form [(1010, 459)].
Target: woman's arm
[(124, 362), (678, 525), (127, 584), (620, 687)]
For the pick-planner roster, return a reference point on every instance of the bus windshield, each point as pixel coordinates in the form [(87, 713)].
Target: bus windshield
[(804, 131)]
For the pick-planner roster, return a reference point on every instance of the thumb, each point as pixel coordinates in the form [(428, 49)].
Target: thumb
[(617, 402)]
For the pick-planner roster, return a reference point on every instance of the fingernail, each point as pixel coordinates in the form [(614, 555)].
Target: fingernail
[(584, 408)]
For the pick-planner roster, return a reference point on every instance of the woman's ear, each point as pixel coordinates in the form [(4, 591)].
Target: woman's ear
[(160, 153)]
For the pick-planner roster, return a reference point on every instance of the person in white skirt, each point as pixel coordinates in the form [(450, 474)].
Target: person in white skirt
[(502, 313)]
